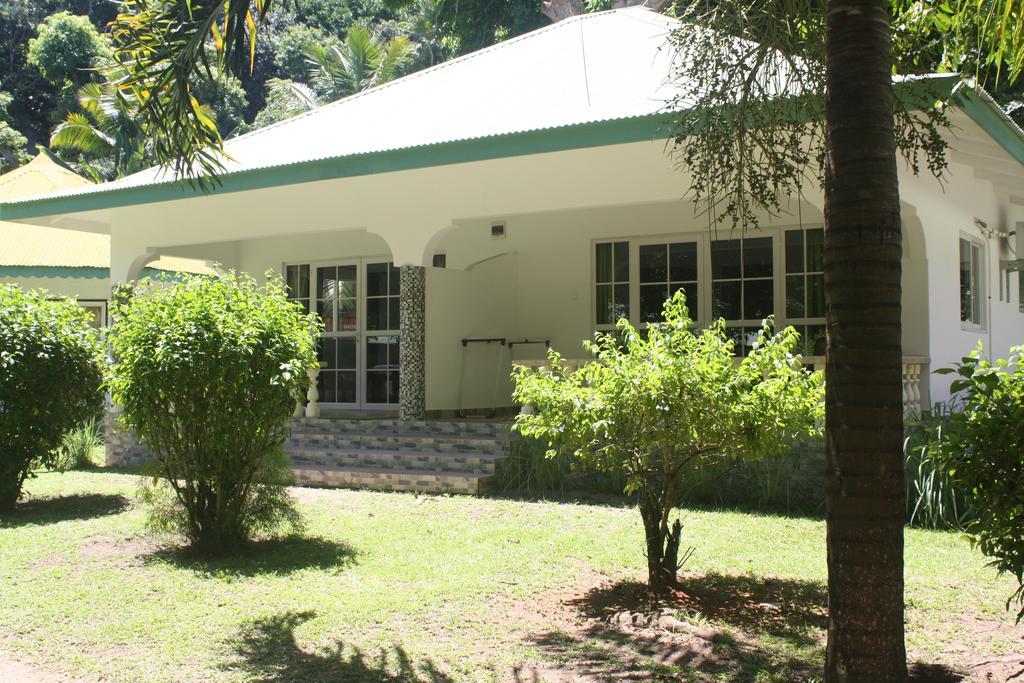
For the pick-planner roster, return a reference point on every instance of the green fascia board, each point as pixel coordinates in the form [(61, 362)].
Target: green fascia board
[(88, 272), (985, 112), (577, 136)]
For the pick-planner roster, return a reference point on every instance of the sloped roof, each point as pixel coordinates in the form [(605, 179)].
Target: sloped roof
[(29, 245), (35, 246)]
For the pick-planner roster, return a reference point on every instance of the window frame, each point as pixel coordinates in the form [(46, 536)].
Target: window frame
[(101, 304), (979, 278)]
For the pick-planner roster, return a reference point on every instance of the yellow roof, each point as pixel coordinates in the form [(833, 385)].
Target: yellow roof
[(33, 245)]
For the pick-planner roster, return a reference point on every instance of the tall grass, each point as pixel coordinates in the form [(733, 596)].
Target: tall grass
[(81, 447), (528, 471), (932, 500)]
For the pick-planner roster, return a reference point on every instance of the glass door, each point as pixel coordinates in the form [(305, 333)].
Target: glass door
[(337, 304), (381, 368)]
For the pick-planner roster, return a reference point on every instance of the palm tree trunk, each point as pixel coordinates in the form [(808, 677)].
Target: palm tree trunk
[(864, 413)]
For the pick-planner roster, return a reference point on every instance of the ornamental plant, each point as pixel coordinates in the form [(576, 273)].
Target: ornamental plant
[(656, 404), (982, 451), (51, 371), (207, 370)]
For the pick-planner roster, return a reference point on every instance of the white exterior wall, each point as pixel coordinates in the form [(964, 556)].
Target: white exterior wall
[(85, 288), (947, 214)]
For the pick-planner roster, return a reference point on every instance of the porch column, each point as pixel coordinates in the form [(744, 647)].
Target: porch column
[(412, 390)]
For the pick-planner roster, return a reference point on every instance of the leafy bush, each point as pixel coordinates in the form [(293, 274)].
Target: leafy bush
[(934, 501), (51, 369), (657, 404), (78, 448), (208, 370), (982, 451)]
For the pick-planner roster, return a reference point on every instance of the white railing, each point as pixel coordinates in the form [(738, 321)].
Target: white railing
[(914, 369), (311, 406)]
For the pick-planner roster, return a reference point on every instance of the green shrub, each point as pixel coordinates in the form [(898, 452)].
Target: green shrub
[(79, 447), (934, 500), (982, 452), (51, 369), (208, 370), (658, 404)]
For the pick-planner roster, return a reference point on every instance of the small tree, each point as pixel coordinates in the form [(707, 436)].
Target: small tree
[(51, 370), (208, 370), (982, 451), (656, 403)]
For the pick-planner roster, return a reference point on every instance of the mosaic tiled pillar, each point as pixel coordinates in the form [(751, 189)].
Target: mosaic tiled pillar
[(412, 390)]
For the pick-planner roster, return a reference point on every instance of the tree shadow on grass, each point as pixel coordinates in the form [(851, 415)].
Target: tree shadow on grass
[(53, 509), (720, 627), (277, 556), (267, 650)]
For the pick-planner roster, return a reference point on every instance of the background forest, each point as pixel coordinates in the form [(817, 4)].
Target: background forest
[(56, 66)]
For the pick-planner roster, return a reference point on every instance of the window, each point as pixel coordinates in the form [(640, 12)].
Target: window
[(383, 281), (805, 287), (742, 286), (297, 281), (970, 283), (664, 270), (98, 310), (611, 291)]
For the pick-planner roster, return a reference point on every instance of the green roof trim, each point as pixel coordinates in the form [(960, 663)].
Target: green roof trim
[(576, 136), (986, 113), (77, 272)]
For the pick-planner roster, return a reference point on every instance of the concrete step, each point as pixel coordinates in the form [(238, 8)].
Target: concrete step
[(428, 481), (465, 428), (396, 460), (401, 441)]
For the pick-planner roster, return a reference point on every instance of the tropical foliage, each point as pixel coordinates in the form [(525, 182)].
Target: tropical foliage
[(657, 403), (981, 451), (208, 370), (51, 368)]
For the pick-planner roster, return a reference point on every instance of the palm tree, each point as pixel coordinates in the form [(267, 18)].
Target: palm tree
[(107, 133), (361, 62)]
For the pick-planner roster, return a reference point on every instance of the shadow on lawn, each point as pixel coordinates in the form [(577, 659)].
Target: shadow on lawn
[(53, 509), (272, 556), (267, 650), (737, 628)]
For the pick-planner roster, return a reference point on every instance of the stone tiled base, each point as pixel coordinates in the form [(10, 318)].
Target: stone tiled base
[(432, 456)]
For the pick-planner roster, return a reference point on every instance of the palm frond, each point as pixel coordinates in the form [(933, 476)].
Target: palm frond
[(77, 134)]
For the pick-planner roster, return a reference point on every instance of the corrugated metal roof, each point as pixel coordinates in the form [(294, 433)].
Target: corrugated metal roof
[(32, 245), (29, 245), (594, 67)]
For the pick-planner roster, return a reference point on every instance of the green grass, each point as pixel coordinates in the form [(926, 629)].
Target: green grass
[(398, 588)]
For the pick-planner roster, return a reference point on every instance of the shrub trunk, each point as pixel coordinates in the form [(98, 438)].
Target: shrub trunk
[(662, 543)]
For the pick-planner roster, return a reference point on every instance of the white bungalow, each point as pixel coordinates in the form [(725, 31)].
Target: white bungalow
[(521, 196)]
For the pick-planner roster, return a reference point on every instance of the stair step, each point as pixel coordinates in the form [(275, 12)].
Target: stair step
[(394, 442), (465, 428), (398, 460), (429, 481)]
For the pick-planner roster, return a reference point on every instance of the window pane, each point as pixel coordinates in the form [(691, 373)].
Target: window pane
[(653, 264), (966, 282), (652, 301), (814, 340), (794, 251), (325, 309), (736, 335), (605, 304), (622, 261), (757, 299), (347, 288), (394, 317), (304, 282), (815, 296), (326, 283), (347, 354), (976, 283), (395, 283), (604, 262), (377, 314), (376, 387), (347, 314), (816, 250), (347, 387), (376, 353), (683, 261), (394, 351), (795, 296), (621, 302), (725, 299), (690, 289), (291, 278), (393, 384), (328, 352), (757, 257), (376, 279), (725, 259), (326, 384)]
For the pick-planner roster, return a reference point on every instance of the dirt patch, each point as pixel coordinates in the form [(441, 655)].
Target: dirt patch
[(13, 670), (122, 552)]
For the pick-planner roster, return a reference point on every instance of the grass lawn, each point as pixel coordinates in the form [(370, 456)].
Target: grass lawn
[(390, 587)]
